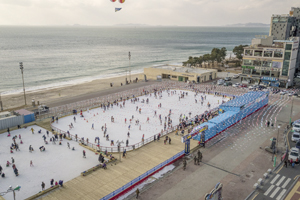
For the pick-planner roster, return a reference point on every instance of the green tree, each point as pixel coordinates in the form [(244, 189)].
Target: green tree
[(238, 51)]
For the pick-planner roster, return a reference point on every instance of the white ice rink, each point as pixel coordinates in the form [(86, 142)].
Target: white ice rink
[(60, 163), (118, 129)]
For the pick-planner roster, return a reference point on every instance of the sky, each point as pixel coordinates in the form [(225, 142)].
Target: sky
[(148, 12)]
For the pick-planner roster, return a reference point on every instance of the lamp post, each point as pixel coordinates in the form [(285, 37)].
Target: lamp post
[(1, 103), (21, 68), (291, 111), (10, 189), (129, 56)]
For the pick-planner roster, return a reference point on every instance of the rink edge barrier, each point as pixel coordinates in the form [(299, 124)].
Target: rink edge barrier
[(43, 192)]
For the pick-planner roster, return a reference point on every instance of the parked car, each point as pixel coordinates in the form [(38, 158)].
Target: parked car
[(294, 154), (236, 76), (236, 85), (227, 84), (296, 126), (227, 79), (295, 137), (251, 87), (243, 85), (221, 82), (298, 144)]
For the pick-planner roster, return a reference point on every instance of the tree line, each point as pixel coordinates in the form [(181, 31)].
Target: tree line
[(216, 55)]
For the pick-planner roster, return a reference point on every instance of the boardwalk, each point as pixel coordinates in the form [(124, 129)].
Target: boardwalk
[(102, 182)]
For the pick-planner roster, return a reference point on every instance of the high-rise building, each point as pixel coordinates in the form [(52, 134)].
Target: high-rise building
[(284, 26), (271, 62)]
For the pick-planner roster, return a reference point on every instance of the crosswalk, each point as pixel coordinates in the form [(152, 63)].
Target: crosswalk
[(278, 187)]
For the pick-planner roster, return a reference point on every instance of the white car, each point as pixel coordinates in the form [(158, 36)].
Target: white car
[(236, 85), (296, 127), (251, 87), (221, 82), (295, 136), (291, 93), (294, 154), (236, 76)]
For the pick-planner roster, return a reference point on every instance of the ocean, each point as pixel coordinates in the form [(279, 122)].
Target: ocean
[(58, 56)]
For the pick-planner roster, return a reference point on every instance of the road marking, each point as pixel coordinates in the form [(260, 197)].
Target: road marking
[(255, 196), (281, 194), (280, 181), (279, 169), (286, 182), (269, 190), (275, 192), (274, 179)]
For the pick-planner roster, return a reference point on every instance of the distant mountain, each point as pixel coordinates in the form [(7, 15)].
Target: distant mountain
[(249, 25), (131, 25)]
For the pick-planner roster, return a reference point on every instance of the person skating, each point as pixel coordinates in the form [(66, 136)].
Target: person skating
[(84, 154), (68, 145), (12, 160), (51, 182), (31, 164), (43, 185)]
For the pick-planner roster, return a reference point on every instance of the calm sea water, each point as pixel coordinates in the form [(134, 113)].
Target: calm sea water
[(55, 56)]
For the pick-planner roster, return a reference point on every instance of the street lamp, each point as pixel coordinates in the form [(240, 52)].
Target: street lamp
[(10, 189), (1, 103), (291, 110), (129, 56), (21, 68)]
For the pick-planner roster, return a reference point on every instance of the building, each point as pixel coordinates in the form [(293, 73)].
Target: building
[(179, 73), (270, 61), (284, 26)]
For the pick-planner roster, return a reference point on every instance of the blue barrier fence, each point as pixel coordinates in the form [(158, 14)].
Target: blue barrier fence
[(141, 177)]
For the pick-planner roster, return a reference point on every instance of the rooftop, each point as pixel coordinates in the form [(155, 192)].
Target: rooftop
[(184, 69), (243, 100)]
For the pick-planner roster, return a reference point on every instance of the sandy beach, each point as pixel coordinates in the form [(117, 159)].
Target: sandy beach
[(72, 93)]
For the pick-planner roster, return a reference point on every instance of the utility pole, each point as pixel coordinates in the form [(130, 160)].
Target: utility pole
[(291, 110), (21, 68), (129, 56)]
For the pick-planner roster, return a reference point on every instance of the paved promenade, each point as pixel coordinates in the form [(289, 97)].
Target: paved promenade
[(102, 182)]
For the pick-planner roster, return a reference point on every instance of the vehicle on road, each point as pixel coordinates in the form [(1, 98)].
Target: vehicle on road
[(236, 85), (295, 137), (251, 87), (236, 76), (294, 154), (227, 79)]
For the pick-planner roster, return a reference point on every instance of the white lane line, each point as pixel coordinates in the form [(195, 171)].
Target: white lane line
[(275, 178), (275, 192), (286, 182), (269, 190), (281, 194), (280, 181)]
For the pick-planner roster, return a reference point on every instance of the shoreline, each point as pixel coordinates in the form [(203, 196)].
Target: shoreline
[(67, 93)]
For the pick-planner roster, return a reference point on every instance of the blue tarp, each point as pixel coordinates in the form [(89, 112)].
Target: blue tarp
[(242, 100)]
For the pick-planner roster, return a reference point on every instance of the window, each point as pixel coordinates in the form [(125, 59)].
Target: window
[(275, 20), (285, 68), (268, 53), (247, 62), (287, 55), (278, 54), (258, 53), (267, 64), (248, 52), (288, 47), (174, 76), (257, 63)]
